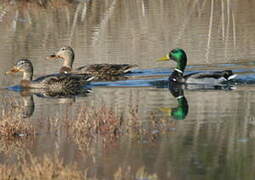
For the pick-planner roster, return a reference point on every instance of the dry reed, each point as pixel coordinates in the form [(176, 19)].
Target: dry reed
[(48, 168), (12, 126), (94, 123), (40, 168)]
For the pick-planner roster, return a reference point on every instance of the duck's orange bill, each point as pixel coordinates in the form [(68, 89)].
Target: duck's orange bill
[(53, 56), (14, 69)]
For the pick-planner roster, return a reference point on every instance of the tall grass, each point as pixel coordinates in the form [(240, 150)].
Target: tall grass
[(46, 168), (53, 168), (13, 125)]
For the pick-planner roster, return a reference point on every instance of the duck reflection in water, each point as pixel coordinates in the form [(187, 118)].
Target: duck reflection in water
[(181, 111), (27, 106), (177, 90)]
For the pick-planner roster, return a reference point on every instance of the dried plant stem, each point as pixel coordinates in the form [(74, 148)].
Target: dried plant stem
[(210, 31)]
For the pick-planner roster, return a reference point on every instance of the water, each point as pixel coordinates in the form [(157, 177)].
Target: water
[(213, 140)]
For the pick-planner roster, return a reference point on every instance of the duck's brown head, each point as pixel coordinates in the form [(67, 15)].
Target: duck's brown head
[(66, 53), (25, 66)]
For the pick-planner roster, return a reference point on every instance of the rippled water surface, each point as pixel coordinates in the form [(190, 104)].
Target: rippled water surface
[(212, 139)]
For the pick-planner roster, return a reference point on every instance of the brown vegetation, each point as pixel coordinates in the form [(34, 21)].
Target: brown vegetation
[(92, 124), (48, 168), (84, 129), (15, 127), (41, 3), (40, 168), (103, 122), (12, 125)]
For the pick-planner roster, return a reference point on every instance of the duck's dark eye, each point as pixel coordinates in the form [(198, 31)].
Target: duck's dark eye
[(171, 55), (21, 62), (62, 49)]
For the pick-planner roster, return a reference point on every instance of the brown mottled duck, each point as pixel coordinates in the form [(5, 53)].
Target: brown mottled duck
[(53, 82), (100, 71)]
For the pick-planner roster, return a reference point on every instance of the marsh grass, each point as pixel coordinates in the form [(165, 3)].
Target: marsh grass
[(91, 127), (15, 148), (88, 127), (124, 173), (85, 127), (12, 126), (92, 124), (48, 168), (16, 136), (40, 3), (40, 168)]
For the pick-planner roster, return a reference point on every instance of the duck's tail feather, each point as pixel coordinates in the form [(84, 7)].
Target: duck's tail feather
[(232, 76), (90, 78), (228, 74), (130, 68)]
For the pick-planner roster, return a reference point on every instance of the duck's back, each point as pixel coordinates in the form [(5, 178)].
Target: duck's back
[(106, 69), (108, 72), (60, 82)]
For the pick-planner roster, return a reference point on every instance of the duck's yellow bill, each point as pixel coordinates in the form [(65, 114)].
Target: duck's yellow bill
[(13, 70), (165, 58), (166, 110)]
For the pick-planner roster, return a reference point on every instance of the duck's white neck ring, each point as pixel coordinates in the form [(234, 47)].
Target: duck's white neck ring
[(179, 97), (178, 70)]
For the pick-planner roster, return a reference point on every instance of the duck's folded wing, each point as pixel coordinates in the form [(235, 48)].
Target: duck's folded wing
[(213, 75), (205, 78), (63, 80), (186, 76), (110, 69)]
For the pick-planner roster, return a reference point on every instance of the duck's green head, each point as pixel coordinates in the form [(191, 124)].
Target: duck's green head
[(179, 56)]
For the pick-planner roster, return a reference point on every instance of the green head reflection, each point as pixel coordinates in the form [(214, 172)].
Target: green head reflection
[(181, 111)]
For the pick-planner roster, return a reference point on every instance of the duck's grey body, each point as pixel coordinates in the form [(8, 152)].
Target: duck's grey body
[(213, 78)]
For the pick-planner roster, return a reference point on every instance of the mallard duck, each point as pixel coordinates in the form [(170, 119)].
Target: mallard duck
[(53, 82), (100, 71), (179, 56)]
